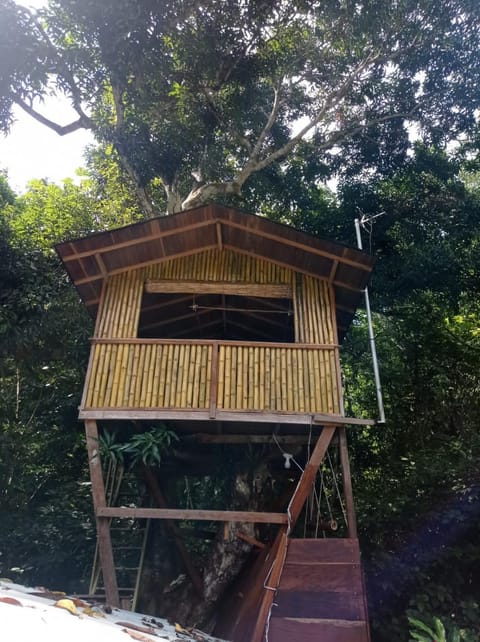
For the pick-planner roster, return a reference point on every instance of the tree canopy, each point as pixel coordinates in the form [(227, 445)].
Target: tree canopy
[(202, 97)]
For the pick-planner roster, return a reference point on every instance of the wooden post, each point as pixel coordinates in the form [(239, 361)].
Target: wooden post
[(103, 523), (347, 483)]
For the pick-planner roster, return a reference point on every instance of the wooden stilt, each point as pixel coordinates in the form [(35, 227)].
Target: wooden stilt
[(103, 523), (347, 483)]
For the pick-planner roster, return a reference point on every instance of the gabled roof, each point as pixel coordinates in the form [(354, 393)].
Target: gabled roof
[(91, 259)]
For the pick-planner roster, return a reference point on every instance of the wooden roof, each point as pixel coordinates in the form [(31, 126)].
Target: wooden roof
[(90, 259)]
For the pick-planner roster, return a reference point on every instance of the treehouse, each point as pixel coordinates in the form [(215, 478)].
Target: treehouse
[(226, 326)]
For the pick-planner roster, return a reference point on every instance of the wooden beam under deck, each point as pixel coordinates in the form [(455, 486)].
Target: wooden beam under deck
[(222, 415), (192, 515)]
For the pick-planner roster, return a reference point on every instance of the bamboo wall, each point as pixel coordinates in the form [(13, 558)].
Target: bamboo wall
[(126, 372), (278, 379), (150, 375)]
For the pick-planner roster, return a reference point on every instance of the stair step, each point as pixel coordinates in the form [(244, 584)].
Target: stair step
[(313, 630)]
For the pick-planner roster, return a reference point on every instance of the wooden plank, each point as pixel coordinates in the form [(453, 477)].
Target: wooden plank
[(260, 290), (311, 630), (319, 604), (193, 515), (324, 551), (103, 526), (334, 578), (135, 412)]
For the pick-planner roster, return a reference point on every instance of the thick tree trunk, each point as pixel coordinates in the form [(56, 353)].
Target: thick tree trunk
[(173, 595)]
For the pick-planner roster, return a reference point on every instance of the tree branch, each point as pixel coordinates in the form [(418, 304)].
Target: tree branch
[(84, 122)]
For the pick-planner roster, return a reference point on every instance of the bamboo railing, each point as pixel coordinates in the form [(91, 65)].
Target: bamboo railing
[(133, 373)]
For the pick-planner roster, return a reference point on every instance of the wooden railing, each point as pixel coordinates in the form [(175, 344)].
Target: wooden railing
[(212, 375)]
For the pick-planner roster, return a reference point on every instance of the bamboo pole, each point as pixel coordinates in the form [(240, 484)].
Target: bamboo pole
[(157, 365), (291, 384), (196, 377), (267, 380), (283, 367), (228, 365), (191, 366), (92, 382), (139, 379), (177, 372), (144, 373), (204, 393), (255, 382), (209, 371), (163, 376), (221, 377), (186, 377), (261, 376), (278, 380), (251, 375), (133, 381), (240, 379), (111, 367), (151, 376), (233, 378)]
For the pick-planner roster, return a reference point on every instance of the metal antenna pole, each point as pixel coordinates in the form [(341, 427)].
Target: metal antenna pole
[(371, 337)]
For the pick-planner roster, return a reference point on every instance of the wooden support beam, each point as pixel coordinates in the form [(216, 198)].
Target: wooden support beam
[(347, 483), (305, 484), (101, 265), (192, 515), (156, 493), (103, 524), (260, 290), (249, 539)]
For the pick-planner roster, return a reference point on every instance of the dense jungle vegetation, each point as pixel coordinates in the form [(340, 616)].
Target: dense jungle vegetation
[(196, 102)]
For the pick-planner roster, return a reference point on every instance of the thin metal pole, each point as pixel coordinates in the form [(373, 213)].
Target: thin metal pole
[(371, 338)]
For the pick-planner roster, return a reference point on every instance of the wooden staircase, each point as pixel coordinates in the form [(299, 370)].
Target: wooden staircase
[(320, 596)]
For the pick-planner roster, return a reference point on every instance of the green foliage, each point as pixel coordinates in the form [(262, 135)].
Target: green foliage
[(417, 486), (196, 95), (146, 447), (437, 632), (46, 525)]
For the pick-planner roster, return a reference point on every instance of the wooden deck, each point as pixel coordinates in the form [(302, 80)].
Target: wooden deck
[(211, 376)]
